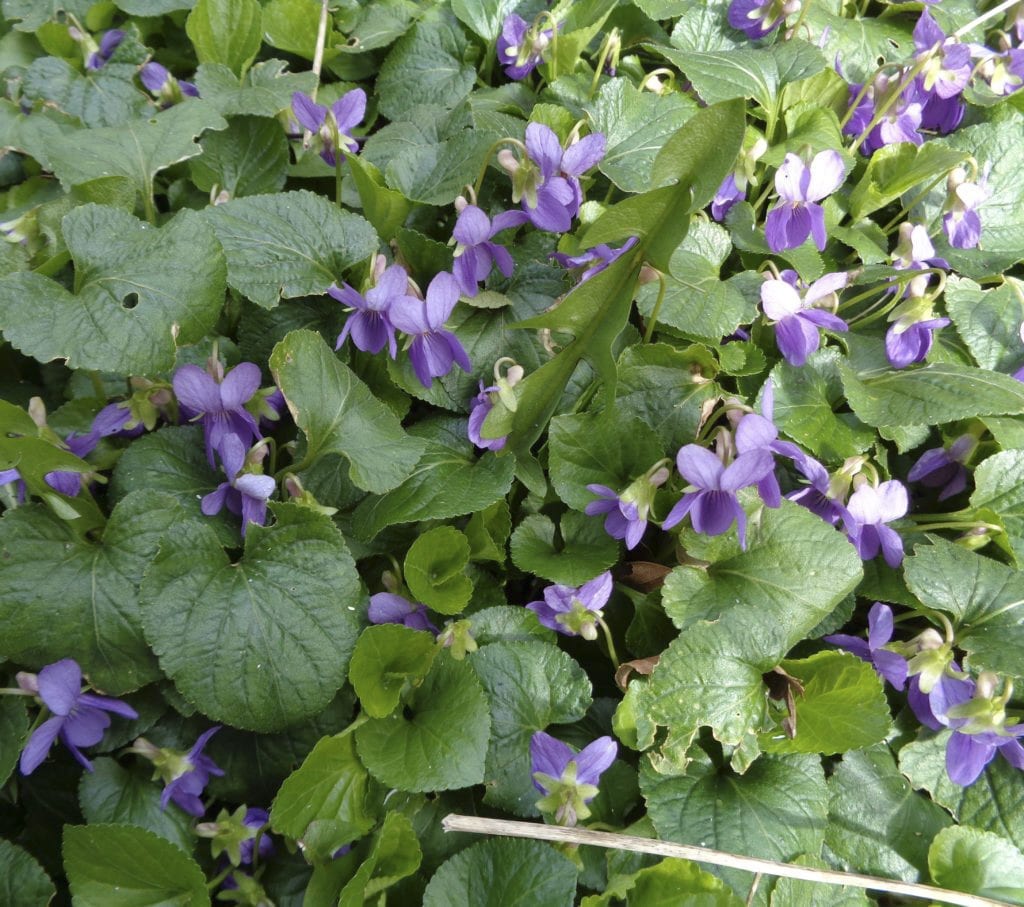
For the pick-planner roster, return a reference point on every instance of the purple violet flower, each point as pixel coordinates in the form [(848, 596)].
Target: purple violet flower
[(1004, 71), (962, 223), (596, 259), (110, 41), (910, 343), (890, 665), (390, 608), (757, 18), (189, 775), (623, 520), (758, 432), (728, 194), (434, 350), (914, 249), (942, 468), (482, 404), (111, 421), (568, 780), (64, 481), (796, 318), (817, 496), (901, 120), (800, 187), (8, 476), (948, 70), (79, 719), (256, 819), (221, 406), (713, 506), (157, 79), (868, 511), (245, 495), (574, 612), (475, 254), (521, 49), (341, 117), (370, 325)]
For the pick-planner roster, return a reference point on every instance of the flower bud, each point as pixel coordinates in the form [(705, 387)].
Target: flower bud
[(986, 686), (461, 203), (508, 161)]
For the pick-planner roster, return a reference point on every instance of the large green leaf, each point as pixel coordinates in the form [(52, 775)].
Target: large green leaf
[(340, 415), (22, 879), (226, 32), (133, 304), (485, 17), (28, 15), (435, 569), (264, 642), (125, 866), (102, 97), (265, 91), (979, 862), (531, 685), (997, 486), (248, 158), (582, 551), (288, 244), (988, 320), (896, 169), (438, 741), (394, 853)]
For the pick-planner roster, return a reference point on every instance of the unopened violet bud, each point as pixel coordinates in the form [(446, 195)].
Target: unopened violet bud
[(508, 161)]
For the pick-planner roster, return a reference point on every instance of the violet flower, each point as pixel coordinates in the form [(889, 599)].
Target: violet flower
[(914, 249), (758, 432), (220, 406), (111, 421), (9, 476), (906, 344), (256, 820), (942, 468), (574, 612), (796, 318), (867, 513), (713, 506), (475, 254), (568, 780), (962, 223), (481, 405), (817, 497), (391, 608), (157, 79), (947, 70), (1004, 71), (890, 665), (800, 187), (520, 48), (110, 41), (433, 350), (596, 259), (64, 481), (244, 494), (79, 719), (370, 325), (899, 123), (757, 18), (623, 520), (331, 123), (728, 194), (188, 774)]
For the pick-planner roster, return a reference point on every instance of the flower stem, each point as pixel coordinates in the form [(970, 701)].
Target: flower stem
[(653, 320), (608, 641), (478, 185), (984, 17)]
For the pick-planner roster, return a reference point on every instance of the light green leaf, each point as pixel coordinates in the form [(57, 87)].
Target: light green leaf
[(809, 127), (842, 706), (22, 879), (385, 208), (288, 244), (701, 27), (124, 866), (291, 25), (114, 794), (264, 642), (339, 414), (860, 43), (386, 659), (504, 872), (249, 158), (997, 486), (966, 859), (988, 320), (800, 893), (434, 569), (896, 169), (265, 90), (439, 741), (530, 685), (134, 303), (395, 854), (485, 17), (226, 32), (663, 885), (582, 551), (328, 793)]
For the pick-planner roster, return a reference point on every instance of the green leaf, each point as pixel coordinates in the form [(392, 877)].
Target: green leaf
[(700, 26), (226, 32), (809, 125), (504, 872), (134, 303), (265, 90), (759, 73), (988, 320), (67, 597), (339, 414), (860, 43), (103, 97), (326, 794), (997, 486), (33, 13), (896, 169), (434, 570), (530, 685), (776, 810), (877, 824), (931, 395), (606, 448), (124, 866), (394, 855), (264, 642), (485, 17), (425, 67), (842, 706), (14, 726), (250, 157), (741, 615), (488, 531), (439, 740), (663, 885), (448, 481), (966, 859), (113, 794), (985, 599), (22, 879), (805, 402), (385, 208), (800, 893), (288, 244), (386, 659), (635, 125), (582, 551), (291, 25)]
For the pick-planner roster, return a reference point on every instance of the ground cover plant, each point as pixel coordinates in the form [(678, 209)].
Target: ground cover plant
[(608, 415)]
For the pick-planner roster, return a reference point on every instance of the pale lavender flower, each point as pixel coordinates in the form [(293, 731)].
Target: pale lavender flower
[(947, 70), (391, 608), (482, 404), (220, 406), (554, 199), (713, 506), (800, 187), (64, 481), (434, 350), (370, 325), (244, 494), (796, 318), (341, 117), (906, 344), (9, 476), (1005, 71), (594, 260), (890, 665), (942, 468), (757, 18), (962, 223), (551, 757), (475, 254), (728, 194), (79, 719), (759, 432), (520, 48), (867, 513), (574, 612), (914, 249)]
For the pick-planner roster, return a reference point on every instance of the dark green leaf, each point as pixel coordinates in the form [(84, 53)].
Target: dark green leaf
[(226, 32), (250, 157), (663, 885), (394, 855), (22, 879), (265, 90), (13, 732), (583, 551)]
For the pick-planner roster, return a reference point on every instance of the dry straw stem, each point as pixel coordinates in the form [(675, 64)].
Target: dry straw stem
[(506, 828)]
